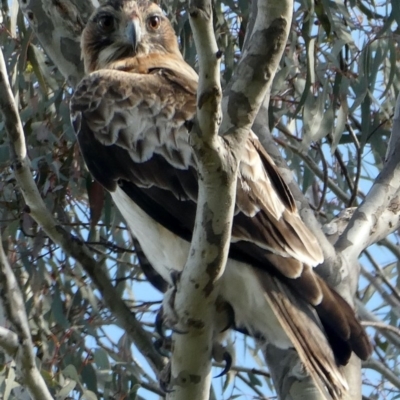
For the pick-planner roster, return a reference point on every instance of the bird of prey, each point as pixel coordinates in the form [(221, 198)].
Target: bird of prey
[(130, 114)]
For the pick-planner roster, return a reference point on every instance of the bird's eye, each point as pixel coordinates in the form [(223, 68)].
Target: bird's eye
[(154, 22), (106, 23)]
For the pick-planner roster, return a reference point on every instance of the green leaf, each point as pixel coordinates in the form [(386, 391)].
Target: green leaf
[(313, 113), (134, 390), (41, 70), (254, 380), (88, 395), (89, 377), (4, 154), (341, 120), (322, 17), (101, 359), (66, 390), (393, 67), (58, 309), (70, 372), (308, 178)]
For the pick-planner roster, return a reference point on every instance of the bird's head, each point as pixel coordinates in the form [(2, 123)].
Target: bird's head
[(121, 29)]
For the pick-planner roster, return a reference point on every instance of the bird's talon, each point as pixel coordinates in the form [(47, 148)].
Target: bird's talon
[(220, 354), (228, 364)]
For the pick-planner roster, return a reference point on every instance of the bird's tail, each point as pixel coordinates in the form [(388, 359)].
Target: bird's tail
[(315, 337)]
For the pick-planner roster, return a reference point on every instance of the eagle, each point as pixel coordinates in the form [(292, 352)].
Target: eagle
[(130, 114)]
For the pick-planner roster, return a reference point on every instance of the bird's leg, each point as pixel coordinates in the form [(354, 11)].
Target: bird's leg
[(224, 319), (170, 317), (166, 316), (225, 315)]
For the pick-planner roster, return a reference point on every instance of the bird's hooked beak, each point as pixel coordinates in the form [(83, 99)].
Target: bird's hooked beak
[(133, 32)]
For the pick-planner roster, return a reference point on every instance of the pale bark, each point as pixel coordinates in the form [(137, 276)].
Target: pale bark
[(9, 346), (58, 26), (8, 341), (217, 178), (385, 371), (258, 64), (377, 216), (372, 320), (19, 345), (197, 289)]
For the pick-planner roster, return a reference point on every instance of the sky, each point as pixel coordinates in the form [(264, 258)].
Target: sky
[(145, 292)]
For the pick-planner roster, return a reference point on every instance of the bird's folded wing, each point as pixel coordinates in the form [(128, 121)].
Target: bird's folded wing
[(141, 121), (132, 133)]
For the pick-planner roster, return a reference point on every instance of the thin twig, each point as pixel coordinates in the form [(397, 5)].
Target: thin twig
[(325, 179), (238, 368), (386, 372), (252, 386), (379, 271), (382, 325), (377, 284), (14, 306), (394, 248), (343, 196), (71, 245), (343, 168), (358, 168)]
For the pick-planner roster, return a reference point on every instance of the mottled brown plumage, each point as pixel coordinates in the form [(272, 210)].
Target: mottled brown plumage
[(130, 117)]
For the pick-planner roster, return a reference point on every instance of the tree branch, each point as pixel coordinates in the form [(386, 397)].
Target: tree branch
[(70, 245), (19, 345), (218, 159), (258, 64), (386, 372), (8, 341), (58, 26), (369, 318), (382, 326), (197, 289), (382, 196)]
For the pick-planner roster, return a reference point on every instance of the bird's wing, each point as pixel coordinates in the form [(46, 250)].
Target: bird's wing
[(132, 134), (139, 122)]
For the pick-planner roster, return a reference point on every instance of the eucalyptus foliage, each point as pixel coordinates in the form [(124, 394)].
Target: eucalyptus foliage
[(330, 111)]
